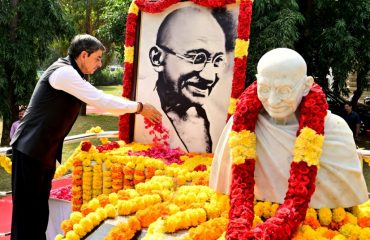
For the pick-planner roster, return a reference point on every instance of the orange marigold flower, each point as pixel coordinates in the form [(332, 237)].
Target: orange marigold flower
[(364, 222), (66, 226), (313, 222), (330, 234)]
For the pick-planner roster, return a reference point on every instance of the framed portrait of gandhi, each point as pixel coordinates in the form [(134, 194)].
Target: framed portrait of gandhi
[(181, 57)]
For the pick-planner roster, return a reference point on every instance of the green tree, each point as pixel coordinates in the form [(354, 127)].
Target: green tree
[(112, 31), (27, 28), (103, 19), (336, 34), (274, 24), (326, 33)]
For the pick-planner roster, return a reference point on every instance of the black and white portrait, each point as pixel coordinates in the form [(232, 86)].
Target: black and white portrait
[(185, 69)]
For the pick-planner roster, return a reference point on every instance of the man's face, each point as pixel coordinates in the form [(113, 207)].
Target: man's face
[(184, 71), (21, 113), (348, 108), (91, 62), (280, 96)]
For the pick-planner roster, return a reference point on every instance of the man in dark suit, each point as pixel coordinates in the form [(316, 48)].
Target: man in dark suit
[(51, 113)]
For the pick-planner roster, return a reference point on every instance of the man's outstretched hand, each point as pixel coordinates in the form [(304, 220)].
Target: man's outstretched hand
[(151, 113)]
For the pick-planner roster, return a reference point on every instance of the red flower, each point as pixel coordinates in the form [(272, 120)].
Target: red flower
[(107, 146), (245, 17), (200, 168), (85, 146), (154, 6), (131, 23)]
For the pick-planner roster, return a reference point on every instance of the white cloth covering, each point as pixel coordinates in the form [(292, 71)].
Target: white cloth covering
[(67, 79), (60, 210), (340, 181)]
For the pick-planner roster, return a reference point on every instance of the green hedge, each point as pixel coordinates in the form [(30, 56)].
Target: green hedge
[(105, 77)]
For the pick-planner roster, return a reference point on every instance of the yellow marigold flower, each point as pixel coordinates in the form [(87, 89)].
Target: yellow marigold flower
[(321, 230), (308, 231), (274, 207), (113, 198), (325, 216), (111, 211), (94, 218), (71, 235), (232, 106), (75, 217), (364, 234), (257, 220), (77, 228), (350, 230), (339, 237), (102, 213), (6, 163), (242, 146), (86, 224), (202, 197), (134, 9), (351, 218), (93, 204), (222, 237), (267, 209), (58, 237), (241, 48), (339, 214), (129, 54), (104, 140), (173, 209), (258, 209), (311, 212), (308, 147)]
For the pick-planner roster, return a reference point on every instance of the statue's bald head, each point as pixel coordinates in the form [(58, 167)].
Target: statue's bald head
[(282, 63), (282, 82)]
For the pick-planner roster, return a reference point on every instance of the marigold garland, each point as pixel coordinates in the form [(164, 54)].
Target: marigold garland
[(302, 174)]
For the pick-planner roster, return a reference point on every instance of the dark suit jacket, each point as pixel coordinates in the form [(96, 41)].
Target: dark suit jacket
[(48, 119)]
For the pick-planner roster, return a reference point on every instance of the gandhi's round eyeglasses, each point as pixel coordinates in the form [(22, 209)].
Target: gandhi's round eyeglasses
[(200, 59)]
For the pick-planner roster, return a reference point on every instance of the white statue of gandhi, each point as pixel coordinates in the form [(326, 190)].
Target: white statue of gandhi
[(281, 84)]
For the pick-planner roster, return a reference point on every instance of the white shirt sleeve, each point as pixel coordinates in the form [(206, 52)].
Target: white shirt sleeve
[(67, 79)]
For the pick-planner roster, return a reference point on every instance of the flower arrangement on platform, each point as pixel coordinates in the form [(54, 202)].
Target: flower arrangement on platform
[(164, 206)]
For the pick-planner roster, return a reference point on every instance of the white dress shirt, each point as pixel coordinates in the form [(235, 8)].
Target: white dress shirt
[(67, 79)]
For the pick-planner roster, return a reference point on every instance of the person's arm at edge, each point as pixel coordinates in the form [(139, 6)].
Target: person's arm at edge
[(12, 130), (67, 79)]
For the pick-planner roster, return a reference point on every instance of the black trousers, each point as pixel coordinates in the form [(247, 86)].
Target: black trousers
[(31, 184)]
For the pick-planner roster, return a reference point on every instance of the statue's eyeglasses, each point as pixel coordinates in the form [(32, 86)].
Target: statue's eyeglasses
[(200, 59)]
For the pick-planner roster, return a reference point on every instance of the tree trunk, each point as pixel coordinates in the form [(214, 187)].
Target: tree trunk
[(88, 31), (360, 83), (11, 114)]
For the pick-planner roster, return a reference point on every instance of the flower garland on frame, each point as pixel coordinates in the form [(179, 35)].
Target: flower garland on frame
[(240, 52), (307, 152)]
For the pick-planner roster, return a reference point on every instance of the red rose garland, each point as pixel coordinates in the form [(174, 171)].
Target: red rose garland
[(302, 174), (240, 60)]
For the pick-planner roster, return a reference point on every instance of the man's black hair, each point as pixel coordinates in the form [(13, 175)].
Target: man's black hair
[(84, 42)]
